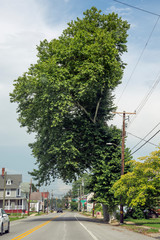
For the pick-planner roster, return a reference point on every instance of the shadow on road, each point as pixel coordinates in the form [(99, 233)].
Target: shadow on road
[(62, 218)]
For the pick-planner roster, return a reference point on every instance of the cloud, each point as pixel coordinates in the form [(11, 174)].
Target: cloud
[(121, 11), (23, 25)]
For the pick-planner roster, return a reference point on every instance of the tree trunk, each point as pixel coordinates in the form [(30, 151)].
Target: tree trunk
[(105, 214)]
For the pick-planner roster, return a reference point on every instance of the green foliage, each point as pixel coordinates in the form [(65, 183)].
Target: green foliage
[(98, 208), (141, 187), (107, 171), (84, 182), (66, 97), (74, 206), (136, 213), (34, 188)]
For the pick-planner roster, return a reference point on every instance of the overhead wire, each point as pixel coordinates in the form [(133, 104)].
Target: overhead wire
[(140, 141), (146, 135), (141, 9), (150, 35), (144, 100), (145, 142)]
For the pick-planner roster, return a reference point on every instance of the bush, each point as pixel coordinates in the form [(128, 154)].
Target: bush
[(74, 206), (135, 213), (98, 208)]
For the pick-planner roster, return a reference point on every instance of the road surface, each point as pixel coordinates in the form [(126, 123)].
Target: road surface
[(67, 226)]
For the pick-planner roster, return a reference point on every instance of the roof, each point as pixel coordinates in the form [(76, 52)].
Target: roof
[(35, 196), (15, 179)]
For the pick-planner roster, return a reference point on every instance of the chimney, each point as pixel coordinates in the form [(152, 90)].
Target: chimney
[(3, 171)]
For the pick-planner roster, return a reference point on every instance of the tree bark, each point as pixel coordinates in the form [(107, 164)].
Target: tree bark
[(105, 214)]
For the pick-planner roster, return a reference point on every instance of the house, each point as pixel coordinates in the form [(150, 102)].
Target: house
[(36, 202), (25, 189), (89, 202), (10, 193)]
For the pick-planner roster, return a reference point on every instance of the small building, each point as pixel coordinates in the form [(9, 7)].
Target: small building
[(89, 202), (36, 202)]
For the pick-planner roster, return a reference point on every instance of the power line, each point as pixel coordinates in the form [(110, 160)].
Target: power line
[(150, 35), (146, 136), (142, 139), (145, 142), (141, 9), (144, 100)]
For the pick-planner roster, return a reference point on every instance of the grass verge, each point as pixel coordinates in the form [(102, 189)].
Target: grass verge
[(144, 226)]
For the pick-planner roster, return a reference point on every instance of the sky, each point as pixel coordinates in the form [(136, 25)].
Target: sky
[(23, 24)]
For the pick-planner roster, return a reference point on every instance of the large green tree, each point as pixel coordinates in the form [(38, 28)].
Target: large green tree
[(106, 171), (141, 187), (66, 97)]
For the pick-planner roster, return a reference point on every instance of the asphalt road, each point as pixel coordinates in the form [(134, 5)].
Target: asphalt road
[(67, 226)]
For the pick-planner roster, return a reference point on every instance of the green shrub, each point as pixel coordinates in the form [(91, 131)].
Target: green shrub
[(98, 208), (136, 213), (74, 206)]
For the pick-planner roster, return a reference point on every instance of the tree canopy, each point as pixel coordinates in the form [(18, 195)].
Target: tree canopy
[(66, 97), (141, 187)]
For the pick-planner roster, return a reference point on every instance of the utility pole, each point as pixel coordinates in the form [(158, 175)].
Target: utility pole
[(47, 201), (80, 198), (29, 196), (4, 191), (122, 156), (83, 194)]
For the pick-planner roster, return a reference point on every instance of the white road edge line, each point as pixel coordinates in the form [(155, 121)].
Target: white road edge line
[(92, 235)]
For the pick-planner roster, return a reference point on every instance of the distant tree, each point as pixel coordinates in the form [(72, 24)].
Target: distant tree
[(83, 183), (141, 187), (66, 97), (74, 206), (34, 187)]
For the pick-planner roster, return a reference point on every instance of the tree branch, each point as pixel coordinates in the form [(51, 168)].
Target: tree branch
[(96, 112), (87, 113)]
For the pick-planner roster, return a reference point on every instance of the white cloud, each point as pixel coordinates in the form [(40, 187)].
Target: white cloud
[(121, 11), (22, 26)]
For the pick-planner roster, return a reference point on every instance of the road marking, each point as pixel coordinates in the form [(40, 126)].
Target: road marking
[(34, 229), (92, 235)]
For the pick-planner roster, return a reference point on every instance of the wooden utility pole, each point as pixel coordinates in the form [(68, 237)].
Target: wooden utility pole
[(4, 190), (47, 201), (80, 198), (122, 156), (29, 196)]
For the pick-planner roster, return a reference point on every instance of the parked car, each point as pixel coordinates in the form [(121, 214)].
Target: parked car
[(4, 222), (60, 210), (138, 213), (149, 213)]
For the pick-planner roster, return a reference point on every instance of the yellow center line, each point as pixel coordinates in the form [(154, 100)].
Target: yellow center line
[(33, 229)]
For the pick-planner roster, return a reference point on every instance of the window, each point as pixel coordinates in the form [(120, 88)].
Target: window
[(8, 192), (9, 182), (18, 192)]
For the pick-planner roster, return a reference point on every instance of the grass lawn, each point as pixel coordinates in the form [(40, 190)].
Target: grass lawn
[(17, 216), (151, 225), (152, 222)]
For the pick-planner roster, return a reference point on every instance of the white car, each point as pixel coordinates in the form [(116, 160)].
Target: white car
[(4, 222)]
